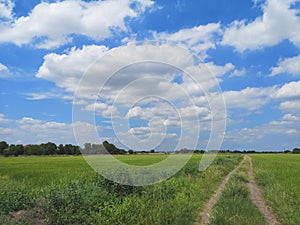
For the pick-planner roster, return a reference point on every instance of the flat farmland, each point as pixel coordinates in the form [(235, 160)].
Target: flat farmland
[(279, 177), (66, 190)]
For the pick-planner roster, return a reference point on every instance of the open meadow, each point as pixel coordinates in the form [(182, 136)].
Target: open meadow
[(279, 178), (65, 190)]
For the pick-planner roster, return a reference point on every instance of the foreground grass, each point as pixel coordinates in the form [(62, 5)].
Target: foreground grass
[(278, 176), (235, 206), (67, 191)]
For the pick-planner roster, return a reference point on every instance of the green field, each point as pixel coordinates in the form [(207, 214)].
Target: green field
[(279, 177), (67, 191)]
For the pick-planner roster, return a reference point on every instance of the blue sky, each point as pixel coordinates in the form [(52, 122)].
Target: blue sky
[(54, 62)]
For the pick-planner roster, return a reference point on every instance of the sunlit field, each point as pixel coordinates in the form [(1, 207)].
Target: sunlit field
[(67, 191), (279, 177)]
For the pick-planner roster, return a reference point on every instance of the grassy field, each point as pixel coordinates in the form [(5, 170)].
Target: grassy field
[(65, 190), (279, 177)]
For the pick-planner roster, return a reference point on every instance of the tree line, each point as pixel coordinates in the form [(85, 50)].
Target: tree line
[(38, 149), (51, 148)]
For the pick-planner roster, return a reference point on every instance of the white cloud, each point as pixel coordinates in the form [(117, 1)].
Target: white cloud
[(219, 70), (102, 109), (249, 98), (145, 78), (290, 106), (31, 131), (4, 71), (288, 91), (291, 117), (138, 81), (48, 95), (288, 65), (67, 69), (6, 9), (278, 22), (238, 73), (3, 119), (50, 25), (199, 38), (288, 95), (278, 134)]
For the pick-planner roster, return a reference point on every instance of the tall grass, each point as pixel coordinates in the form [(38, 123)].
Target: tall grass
[(279, 177), (82, 197)]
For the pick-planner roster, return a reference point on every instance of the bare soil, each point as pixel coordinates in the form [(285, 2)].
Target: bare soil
[(33, 216)]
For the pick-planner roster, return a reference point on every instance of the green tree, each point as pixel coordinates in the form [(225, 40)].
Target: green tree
[(61, 150), (130, 151), (15, 150), (296, 151), (3, 146)]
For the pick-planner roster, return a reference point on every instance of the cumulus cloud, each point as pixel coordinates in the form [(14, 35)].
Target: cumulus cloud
[(4, 71), (288, 91), (278, 22), (219, 70), (150, 66), (290, 106), (278, 134), (30, 131), (102, 109), (66, 70), (288, 95), (199, 38), (238, 73), (288, 65), (6, 9), (248, 98), (139, 81), (3, 119), (50, 25)]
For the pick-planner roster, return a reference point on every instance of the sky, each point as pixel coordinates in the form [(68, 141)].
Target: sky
[(149, 74)]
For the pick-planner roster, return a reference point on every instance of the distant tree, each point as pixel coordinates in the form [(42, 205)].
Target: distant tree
[(61, 149), (49, 148), (130, 152), (88, 148), (69, 149), (152, 151), (111, 148), (287, 151), (199, 151), (19, 150), (3, 146), (296, 151), (33, 150), (12, 150)]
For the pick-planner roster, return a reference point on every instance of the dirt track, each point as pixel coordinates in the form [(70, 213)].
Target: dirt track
[(206, 213), (255, 196)]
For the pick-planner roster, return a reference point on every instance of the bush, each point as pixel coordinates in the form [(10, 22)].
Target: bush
[(15, 200)]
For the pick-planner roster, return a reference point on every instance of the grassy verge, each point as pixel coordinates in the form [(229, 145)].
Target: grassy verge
[(73, 194), (235, 206), (279, 178)]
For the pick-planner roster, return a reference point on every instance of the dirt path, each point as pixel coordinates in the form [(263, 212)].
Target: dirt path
[(205, 214), (257, 198)]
